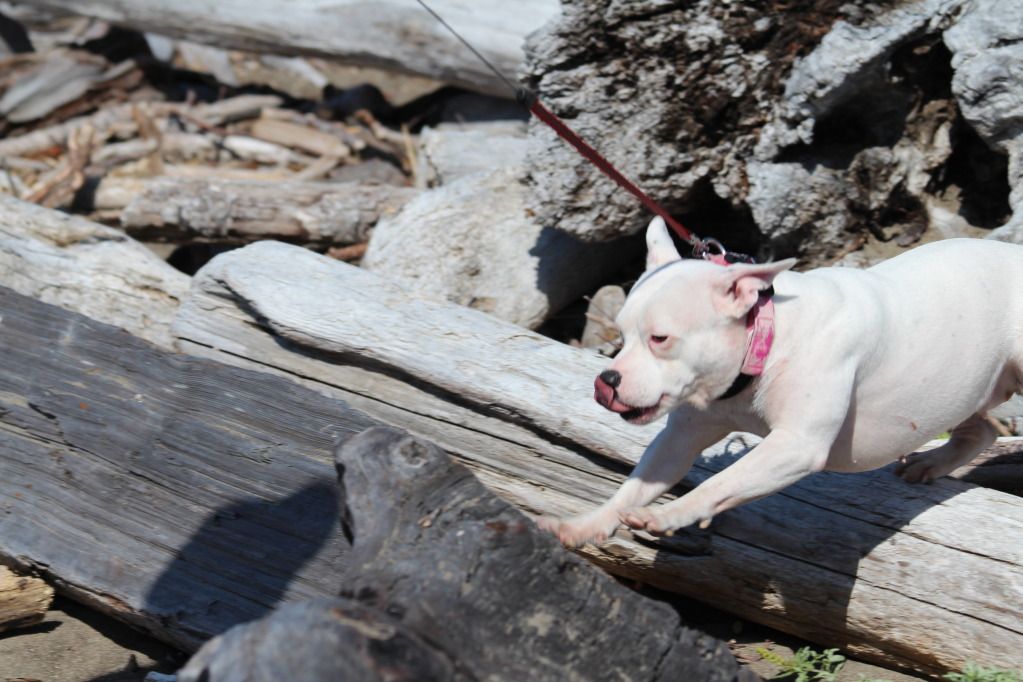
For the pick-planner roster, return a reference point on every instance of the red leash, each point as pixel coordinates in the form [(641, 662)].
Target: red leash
[(537, 108), (709, 249)]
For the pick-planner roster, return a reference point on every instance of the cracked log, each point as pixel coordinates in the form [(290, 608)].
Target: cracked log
[(866, 561), (88, 268), (23, 600), (391, 34), (432, 548), (311, 213)]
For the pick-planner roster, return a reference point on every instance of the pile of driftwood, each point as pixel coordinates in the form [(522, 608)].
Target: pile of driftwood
[(235, 170), (182, 452)]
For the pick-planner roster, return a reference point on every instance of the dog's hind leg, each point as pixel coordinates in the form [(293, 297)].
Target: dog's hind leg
[(965, 443)]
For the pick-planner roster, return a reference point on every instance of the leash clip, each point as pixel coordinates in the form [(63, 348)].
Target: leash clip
[(714, 251)]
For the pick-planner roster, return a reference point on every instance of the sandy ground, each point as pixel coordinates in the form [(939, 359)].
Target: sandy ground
[(74, 644)]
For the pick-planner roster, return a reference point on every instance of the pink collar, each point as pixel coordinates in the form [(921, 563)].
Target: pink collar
[(759, 334), (759, 327)]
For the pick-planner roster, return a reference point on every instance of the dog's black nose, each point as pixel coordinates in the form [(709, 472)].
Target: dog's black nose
[(611, 377)]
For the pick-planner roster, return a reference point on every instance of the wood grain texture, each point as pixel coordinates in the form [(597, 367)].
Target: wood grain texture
[(318, 213), (863, 561), (392, 34), (89, 268), (23, 600), (178, 494)]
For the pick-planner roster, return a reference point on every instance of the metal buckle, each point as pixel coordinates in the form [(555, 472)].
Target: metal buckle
[(713, 250)]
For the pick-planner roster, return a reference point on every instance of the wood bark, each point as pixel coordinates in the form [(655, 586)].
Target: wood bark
[(23, 600), (89, 268), (866, 561), (324, 640), (390, 34), (432, 548), (191, 209)]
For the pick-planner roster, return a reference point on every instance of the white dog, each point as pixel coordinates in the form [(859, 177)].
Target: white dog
[(865, 367)]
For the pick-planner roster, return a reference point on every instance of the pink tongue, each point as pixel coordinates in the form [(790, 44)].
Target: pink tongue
[(605, 396)]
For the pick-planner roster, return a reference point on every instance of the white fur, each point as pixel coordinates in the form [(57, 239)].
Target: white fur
[(867, 366)]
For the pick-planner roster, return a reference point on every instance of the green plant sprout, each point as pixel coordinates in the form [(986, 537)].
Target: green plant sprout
[(806, 665)]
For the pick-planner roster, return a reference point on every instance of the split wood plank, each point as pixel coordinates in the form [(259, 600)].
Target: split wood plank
[(397, 35), (885, 569)]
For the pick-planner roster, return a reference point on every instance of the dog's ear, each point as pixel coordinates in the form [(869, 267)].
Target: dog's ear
[(738, 286), (659, 247)]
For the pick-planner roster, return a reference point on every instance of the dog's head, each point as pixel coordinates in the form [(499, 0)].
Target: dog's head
[(684, 331)]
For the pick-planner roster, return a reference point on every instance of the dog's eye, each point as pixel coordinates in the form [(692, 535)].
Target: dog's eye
[(658, 339)]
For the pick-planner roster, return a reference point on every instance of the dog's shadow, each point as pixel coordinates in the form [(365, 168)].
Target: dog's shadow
[(836, 554)]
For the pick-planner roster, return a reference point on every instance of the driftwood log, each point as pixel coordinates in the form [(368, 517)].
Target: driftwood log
[(215, 113), (23, 600), (865, 561), (432, 548), (89, 268), (189, 209), (390, 34), (173, 493)]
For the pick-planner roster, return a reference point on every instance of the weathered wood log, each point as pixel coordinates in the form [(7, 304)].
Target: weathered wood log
[(326, 640), (432, 548), (866, 562), (216, 113), (23, 600), (186, 209), (390, 34), (174, 493), (89, 268)]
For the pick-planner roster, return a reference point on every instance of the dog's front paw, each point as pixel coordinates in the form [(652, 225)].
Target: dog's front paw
[(579, 530), (644, 518)]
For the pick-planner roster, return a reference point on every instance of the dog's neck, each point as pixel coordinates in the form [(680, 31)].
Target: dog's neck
[(759, 339)]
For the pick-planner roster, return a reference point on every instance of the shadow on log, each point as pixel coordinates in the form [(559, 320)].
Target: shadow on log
[(482, 586), (179, 495)]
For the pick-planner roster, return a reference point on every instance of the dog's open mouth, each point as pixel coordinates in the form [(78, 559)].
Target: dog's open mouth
[(641, 415), (607, 396)]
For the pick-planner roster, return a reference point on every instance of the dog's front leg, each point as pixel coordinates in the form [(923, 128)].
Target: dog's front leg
[(778, 461), (664, 463), (792, 450)]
